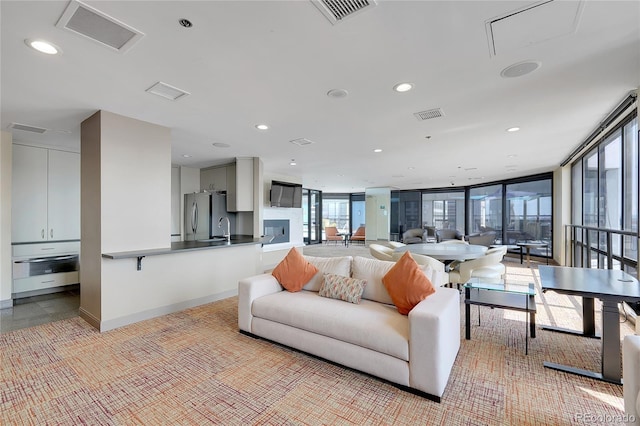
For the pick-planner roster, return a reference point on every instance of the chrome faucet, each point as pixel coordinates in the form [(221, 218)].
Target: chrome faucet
[(228, 234)]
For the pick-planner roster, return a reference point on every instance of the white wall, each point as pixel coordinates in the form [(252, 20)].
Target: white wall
[(561, 211), (5, 220), (377, 212), (135, 159)]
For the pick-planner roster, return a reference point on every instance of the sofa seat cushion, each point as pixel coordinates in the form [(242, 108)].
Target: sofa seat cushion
[(371, 325)]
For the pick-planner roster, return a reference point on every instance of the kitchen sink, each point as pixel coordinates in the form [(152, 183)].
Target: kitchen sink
[(213, 240)]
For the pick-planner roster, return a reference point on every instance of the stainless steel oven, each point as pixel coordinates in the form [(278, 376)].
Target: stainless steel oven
[(24, 268)]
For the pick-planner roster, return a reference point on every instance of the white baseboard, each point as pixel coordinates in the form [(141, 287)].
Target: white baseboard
[(164, 310), (4, 304)]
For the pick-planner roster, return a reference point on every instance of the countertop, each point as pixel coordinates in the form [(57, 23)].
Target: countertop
[(182, 246)]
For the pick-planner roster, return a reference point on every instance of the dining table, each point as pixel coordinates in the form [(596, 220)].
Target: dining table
[(445, 252)]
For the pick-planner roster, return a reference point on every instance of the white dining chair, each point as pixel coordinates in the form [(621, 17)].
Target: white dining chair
[(488, 266), (381, 252)]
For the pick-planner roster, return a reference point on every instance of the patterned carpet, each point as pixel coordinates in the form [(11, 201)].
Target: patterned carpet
[(194, 368)]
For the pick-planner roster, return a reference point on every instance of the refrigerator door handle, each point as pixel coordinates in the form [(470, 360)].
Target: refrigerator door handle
[(194, 217)]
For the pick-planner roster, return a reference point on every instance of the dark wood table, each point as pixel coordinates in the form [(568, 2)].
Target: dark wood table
[(611, 287)]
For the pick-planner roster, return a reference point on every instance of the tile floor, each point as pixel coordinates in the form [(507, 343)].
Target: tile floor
[(36, 310)]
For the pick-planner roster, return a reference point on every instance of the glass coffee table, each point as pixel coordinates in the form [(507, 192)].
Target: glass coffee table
[(504, 295)]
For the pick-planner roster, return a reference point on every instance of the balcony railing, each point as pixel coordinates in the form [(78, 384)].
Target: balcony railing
[(592, 247)]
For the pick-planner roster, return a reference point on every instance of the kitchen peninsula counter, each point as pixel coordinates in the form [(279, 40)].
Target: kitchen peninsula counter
[(142, 284), (183, 246)]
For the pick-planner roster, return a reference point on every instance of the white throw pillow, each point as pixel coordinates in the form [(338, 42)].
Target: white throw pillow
[(327, 265)]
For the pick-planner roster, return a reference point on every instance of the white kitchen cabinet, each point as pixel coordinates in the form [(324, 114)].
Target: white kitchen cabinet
[(45, 195), (214, 179), (63, 190), (29, 194), (240, 186)]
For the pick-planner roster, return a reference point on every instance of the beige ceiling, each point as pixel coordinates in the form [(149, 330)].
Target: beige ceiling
[(273, 62)]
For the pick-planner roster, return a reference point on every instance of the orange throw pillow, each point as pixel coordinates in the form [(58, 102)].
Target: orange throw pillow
[(407, 284), (294, 271)]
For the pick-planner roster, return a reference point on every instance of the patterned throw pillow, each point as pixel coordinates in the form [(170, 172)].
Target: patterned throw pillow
[(342, 288)]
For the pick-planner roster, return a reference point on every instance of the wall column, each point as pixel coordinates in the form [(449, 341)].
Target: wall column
[(6, 141), (125, 199)]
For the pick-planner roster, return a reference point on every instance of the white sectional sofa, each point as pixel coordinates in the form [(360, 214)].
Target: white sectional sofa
[(415, 351), (631, 371)]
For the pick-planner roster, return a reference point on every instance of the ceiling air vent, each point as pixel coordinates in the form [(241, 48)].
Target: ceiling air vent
[(166, 91), (26, 128), (302, 142), (99, 27), (429, 114), (337, 10)]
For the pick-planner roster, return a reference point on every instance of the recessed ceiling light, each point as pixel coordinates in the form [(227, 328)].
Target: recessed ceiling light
[(43, 46), (403, 87), (513, 129), (221, 145), (262, 127), (293, 162), (377, 150), (410, 168), (337, 93), (185, 23), (512, 155), (186, 155)]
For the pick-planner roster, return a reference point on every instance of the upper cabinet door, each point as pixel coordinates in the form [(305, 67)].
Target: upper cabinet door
[(29, 194), (64, 196)]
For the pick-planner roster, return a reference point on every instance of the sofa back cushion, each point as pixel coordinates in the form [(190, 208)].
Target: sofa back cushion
[(327, 265), (372, 271)]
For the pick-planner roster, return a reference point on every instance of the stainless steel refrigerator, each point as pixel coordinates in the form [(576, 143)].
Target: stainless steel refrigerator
[(202, 212)]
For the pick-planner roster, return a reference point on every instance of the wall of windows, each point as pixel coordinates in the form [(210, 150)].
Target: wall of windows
[(335, 211), (605, 195), (528, 212), (519, 210), (357, 211), (312, 232), (485, 209), (444, 210)]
